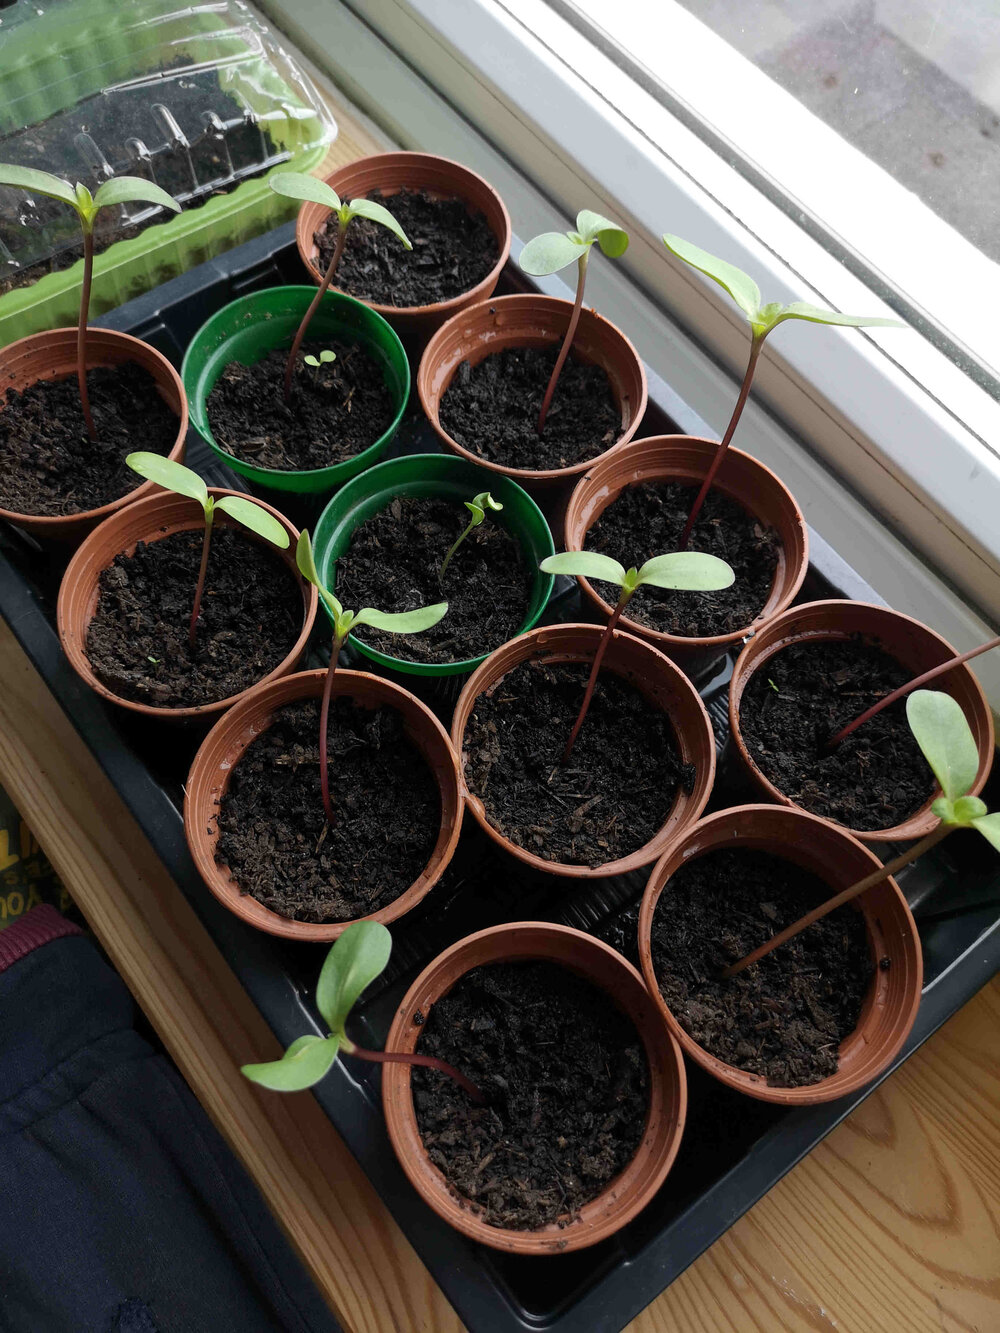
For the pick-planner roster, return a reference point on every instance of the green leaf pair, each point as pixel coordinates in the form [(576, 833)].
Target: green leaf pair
[(682, 571), (393, 622), (945, 738), (324, 359), (355, 960), (553, 250), (745, 292), (118, 190), (183, 481), (310, 189), (478, 506)]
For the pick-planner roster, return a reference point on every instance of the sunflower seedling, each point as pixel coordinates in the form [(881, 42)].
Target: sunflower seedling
[(680, 571), (182, 481), (393, 622), (763, 319), (554, 250), (945, 738), (353, 963), (297, 185), (324, 359), (118, 190), (477, 507)]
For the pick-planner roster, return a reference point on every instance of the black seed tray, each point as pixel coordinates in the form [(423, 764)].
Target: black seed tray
[(734, 1149)]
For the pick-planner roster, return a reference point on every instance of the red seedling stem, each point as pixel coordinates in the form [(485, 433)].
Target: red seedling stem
[(904, 690), (567, 342), (81, 330), (199, 591), (602, 648), (425, 1061), (831, 905), (720, 453), (324, 719), (328, 277)]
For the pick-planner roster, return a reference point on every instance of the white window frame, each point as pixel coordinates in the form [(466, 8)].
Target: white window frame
[(468, 79)]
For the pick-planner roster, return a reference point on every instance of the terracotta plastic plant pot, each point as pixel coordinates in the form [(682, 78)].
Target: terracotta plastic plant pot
[(655, 676), (441, 179), (628, 1193), (531, 321), (829, 852), (912, 644), (52, 356), (220, 753), (150, 520), (686, 458)]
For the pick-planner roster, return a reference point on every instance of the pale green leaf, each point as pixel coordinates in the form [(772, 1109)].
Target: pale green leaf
[(687, 571), (39, 182), (549, 253), (306, 561), (366, 208), (133, 189), (256, 519), (402, 622), (306, 1061), (170, 475), (356, 959), (586, 564), (485, 501), (612, 239), (740, 286), (310, 189), (989, 827), (945, 738), (967, 809), (816, 315)]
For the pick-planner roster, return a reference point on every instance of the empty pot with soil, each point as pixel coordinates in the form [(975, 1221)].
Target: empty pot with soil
[(634, 504), (340, 413), (254, 816), (641, 770), (809, 672), (125, 604), (456, 222), (382, 541), (585, 1089), (55, 481), (484, 374), (819, 1017)]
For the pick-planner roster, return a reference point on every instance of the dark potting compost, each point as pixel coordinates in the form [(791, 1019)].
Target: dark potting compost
[(801, 697), (394, 562), (48, 463), (566, 1083), (386, 806), (335, 410), (251, 615), (453, 251), (785, 1016), (647, 519), (491, 408), (618, 786)]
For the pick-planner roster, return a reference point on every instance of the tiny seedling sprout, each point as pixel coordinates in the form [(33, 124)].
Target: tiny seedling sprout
[(945, 738), (680, 571), (355, 960), (477, 507), (297, 185), (392, 622), (182, 481), (762, 320), (552, 251), (117, 190), (324, 359)]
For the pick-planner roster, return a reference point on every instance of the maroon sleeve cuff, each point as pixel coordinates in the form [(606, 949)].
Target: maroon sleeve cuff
[(39, 926)]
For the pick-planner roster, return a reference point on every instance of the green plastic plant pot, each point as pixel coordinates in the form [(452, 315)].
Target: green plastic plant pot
[(253, 325), (454, 479)]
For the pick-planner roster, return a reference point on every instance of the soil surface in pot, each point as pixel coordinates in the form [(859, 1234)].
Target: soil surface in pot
[(800, 698), (394, 562), (251, 615), (492, 409), (386, 805), (454, 249), (48, 463), (785, 1016), (647, 519), (336, 410), (608, 800), (566, 1082)]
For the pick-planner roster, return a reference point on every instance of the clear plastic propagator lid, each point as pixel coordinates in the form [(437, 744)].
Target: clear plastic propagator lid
[(197, 98)]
